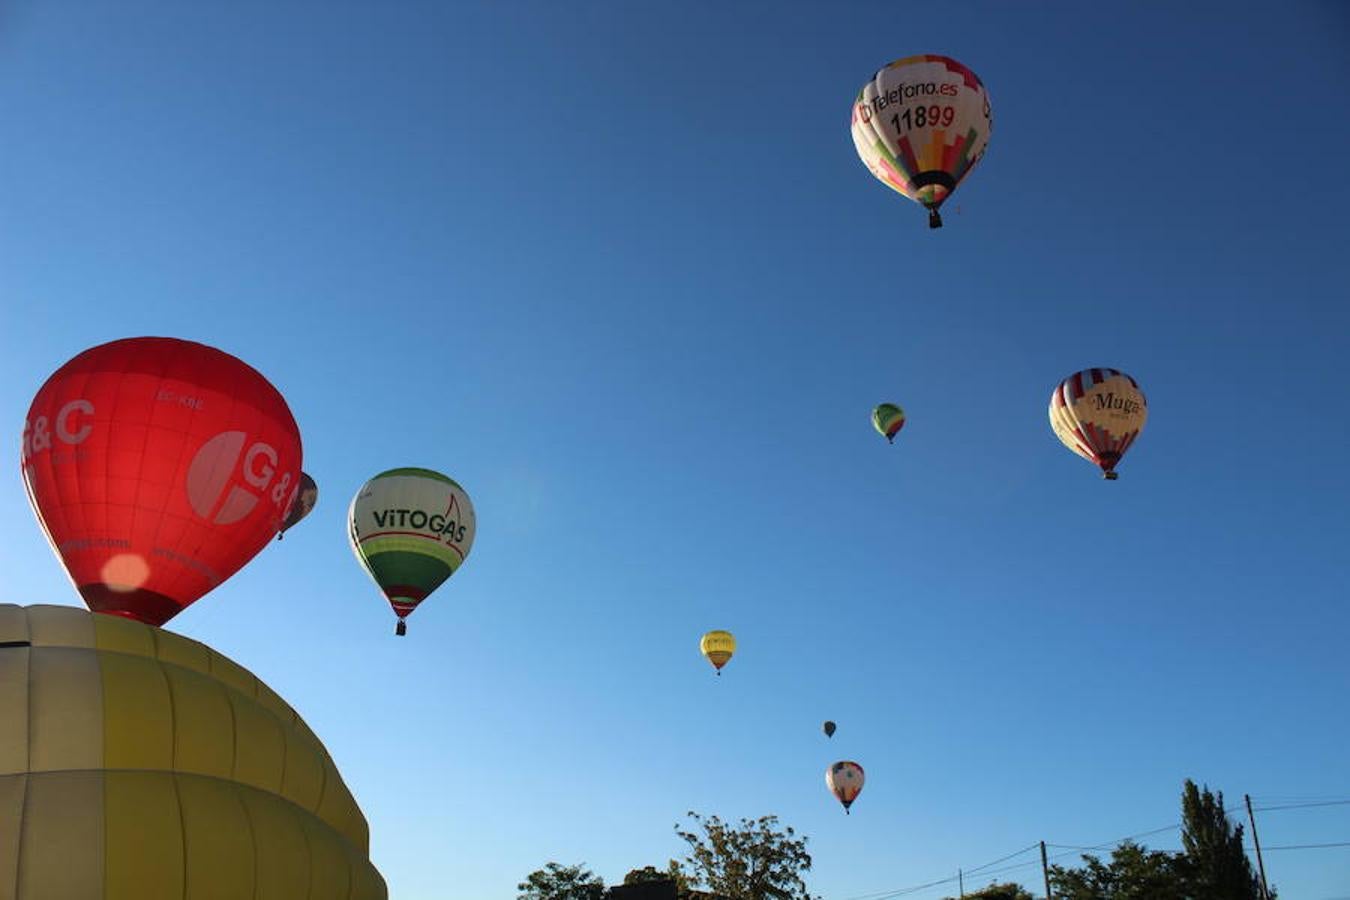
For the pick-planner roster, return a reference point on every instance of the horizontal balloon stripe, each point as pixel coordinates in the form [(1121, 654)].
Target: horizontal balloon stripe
[(395, 570), (443, 555), (435, 539)]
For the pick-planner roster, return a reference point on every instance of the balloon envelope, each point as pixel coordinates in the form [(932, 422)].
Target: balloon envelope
[(136, 763), (306, 495), (888, 419), (411, 529), (1098, 414), (157, 468), (845, 781), (920, 125), (718, 647)]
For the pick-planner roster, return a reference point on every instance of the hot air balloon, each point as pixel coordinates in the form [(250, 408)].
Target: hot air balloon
[(888, 419), (828, 729), (410, 529), (138, 763), (306, 495), (157, 467), (1098, 414), (717, 646), (845, 781), (921, 124)]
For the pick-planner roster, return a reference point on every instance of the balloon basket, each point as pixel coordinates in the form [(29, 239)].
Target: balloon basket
[(1110, 476), (401, 628), (934, 220)]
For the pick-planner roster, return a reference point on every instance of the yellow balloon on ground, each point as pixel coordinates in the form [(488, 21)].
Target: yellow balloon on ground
[(717, 646), (138, 764)]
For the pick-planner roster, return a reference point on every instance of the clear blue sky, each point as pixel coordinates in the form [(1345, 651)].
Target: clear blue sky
[(617, 268)]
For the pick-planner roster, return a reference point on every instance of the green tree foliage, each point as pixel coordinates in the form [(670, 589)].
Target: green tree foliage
[(1006, 891), (1134, 873), (555, 882), (672, 872), (1219, 868), (753, 861)]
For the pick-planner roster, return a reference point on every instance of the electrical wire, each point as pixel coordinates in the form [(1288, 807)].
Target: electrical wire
[(985, 871)]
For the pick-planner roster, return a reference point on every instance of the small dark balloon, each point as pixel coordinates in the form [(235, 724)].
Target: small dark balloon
[(829, 729), (306, 495)]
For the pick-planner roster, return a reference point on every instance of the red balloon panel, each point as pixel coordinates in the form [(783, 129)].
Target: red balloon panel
[(158, 467)]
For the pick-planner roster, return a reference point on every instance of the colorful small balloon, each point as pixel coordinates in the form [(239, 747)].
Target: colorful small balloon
[(920, 125), (888, 419), (411, 529), (845, 781), (718, 647), (157, 468), (1098, 414)]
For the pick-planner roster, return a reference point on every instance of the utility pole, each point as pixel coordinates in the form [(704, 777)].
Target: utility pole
[(1261, 866), (1045, 870), (961, 880)]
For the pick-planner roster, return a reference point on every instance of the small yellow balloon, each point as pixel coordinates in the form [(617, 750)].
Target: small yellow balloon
[(717, 646)]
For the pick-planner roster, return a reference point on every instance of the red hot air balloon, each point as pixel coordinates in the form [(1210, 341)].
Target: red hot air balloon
[(157, 467)]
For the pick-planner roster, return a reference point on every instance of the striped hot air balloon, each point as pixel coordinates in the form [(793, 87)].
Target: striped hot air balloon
[(1098, 414), (410, 529)]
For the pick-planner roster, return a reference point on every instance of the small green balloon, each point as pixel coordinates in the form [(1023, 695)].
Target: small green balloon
[(888, 419)]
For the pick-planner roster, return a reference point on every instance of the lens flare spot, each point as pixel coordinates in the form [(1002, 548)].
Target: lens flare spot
[(125, 572)]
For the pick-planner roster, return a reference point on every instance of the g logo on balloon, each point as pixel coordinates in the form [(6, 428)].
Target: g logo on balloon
[(213, 468)]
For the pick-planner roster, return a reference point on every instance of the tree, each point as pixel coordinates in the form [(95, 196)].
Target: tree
[(1134, 873), (1219, 868), (555, 882), (652, 873), (755, 861), (1007, 891)]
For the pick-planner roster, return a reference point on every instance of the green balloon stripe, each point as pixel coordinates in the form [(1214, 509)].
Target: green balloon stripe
[(411, 569)]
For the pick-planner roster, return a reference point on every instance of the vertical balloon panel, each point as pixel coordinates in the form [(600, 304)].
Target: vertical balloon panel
[(157, 468)]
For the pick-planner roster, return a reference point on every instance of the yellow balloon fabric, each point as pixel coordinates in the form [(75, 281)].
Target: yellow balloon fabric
[(136, 764), (717, 646)]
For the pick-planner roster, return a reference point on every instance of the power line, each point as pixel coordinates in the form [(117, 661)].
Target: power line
[(1074, 849), (900, 892), (1304, 805), (1002, 859)]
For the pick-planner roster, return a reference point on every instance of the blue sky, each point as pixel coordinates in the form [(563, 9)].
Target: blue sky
[(618, 270)]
